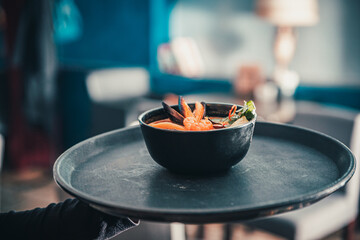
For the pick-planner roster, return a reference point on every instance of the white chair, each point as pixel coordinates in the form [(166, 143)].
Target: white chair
[(114, 94), (337, 210)]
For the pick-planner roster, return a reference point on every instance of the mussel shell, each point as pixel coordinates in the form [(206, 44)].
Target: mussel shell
[(216, 125), (184, 108), (204, 105), (173, 114)]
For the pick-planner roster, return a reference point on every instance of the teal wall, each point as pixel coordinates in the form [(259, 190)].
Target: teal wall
[(113, 32)]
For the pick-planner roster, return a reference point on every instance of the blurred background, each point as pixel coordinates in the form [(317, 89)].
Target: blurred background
[(72, 69)]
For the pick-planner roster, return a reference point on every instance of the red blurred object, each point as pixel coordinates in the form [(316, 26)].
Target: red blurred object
[(248, 77), (28, 145)]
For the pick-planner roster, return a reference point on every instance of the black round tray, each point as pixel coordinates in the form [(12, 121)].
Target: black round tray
[(286, 168)]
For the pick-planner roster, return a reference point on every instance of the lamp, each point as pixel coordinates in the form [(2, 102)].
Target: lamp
[(286, 15)]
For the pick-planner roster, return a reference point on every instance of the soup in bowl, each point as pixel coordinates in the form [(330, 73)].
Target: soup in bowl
[(199, 151)]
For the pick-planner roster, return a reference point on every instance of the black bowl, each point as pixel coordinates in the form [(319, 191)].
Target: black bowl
[(196, 152)]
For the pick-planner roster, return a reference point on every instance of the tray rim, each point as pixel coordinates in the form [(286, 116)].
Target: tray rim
[(201, 215)]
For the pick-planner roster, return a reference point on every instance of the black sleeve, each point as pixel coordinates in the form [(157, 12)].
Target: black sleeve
[(71, 219)]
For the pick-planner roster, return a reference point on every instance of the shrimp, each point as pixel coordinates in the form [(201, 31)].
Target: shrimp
[(191, 123)]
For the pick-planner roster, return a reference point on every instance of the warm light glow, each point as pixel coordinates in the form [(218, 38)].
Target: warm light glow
[(288, 12), (284, 45)]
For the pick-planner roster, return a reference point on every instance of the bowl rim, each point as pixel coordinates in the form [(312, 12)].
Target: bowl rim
[(142, 123)]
